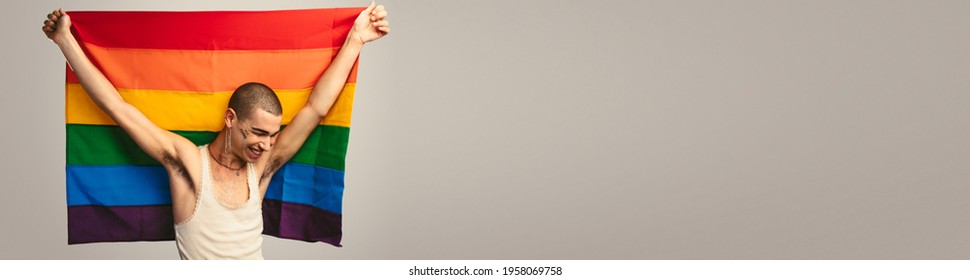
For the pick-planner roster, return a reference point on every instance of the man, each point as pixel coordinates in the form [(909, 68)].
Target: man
[(217, 188)]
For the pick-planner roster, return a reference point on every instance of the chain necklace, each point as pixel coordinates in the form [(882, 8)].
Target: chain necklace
[(223, 165)]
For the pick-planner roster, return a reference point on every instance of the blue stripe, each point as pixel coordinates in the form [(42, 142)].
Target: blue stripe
[(134, 185), (117, 185), (307, 184)]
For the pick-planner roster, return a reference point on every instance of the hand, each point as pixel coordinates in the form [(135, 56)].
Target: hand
[(57, 25), (370, 25)]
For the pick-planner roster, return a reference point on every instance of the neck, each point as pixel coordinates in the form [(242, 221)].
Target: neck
[(217, 150)]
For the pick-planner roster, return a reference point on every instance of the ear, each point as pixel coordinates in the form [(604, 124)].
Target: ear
[(230, 117)]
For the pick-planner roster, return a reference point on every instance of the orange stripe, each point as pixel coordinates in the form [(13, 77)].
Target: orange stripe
[(211, 71)]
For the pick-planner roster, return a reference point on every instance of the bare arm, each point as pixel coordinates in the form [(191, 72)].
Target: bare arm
[(369, 25), (160, 144)]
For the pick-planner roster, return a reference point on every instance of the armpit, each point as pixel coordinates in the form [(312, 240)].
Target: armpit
[(271, 167), (177, 168)]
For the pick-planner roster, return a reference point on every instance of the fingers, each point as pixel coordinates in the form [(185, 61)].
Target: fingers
[(383, 26), (50, 22), (378, 13), (52, 18), (377, 18)]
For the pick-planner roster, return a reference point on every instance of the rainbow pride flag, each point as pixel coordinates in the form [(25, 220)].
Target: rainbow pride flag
[(179, 69)]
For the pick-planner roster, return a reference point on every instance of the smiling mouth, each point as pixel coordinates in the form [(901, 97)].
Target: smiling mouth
[(254, 153)]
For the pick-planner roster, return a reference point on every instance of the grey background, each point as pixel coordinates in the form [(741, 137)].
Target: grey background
[(594, 130)]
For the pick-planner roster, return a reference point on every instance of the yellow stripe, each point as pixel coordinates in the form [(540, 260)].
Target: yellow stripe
[(199, 111)]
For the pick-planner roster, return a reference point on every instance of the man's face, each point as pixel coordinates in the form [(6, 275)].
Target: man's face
[(256, 135)]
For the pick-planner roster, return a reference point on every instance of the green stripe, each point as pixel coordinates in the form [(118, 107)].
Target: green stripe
[(110, 145)]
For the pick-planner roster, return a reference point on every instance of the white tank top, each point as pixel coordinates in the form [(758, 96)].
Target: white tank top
[(215, 231)]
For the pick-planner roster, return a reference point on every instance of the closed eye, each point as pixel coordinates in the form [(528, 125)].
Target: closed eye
[(261, 132)]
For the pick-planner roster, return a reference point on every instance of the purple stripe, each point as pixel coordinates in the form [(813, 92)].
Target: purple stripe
[(301, 222), (95, 223)]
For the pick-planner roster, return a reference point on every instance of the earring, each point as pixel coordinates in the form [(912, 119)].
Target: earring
[(228, 138)]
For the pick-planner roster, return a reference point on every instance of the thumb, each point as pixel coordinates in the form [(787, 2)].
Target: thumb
[(373, 4)]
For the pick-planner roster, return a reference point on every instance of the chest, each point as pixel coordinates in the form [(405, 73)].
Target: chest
[(229, 189)]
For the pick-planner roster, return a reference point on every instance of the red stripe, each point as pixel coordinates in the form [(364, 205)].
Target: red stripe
[(216, 30)]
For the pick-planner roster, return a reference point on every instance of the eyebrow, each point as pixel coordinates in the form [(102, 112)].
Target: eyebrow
[(260, 130)]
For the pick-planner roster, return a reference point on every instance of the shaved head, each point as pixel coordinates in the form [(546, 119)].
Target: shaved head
[(251, 96)]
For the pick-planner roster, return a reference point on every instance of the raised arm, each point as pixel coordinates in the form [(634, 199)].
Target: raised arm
[(160, 144), (370, 25)]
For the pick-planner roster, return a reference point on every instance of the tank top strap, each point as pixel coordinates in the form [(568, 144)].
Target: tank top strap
[(253, 182), (206, 172)]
